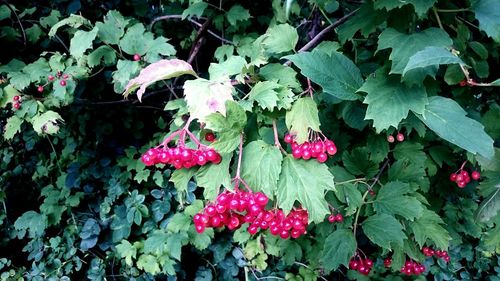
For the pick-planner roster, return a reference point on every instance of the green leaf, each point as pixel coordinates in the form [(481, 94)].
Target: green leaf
[(261, 166), (212, 177), (157, 48), (489, 208), (126, 251), (38, 70), (335, 73), (103, 53), (383, 229), (205, 97), (4, 12), (357, 162), (160, 70), (228, 128), (43, 123), (404, 46), (338, 249), (428, 226), (81, 41), (447, 119), (194, 10), (136, 40), (74, 21), (431, 56), (237, 13), (366, 20), (181, 178), (281, 74), (113, 27), (302, 117), (149, 264), (305, 182), (34, 33), (488, 14), (392, 199), (421, 6), (12, 127), (389, 100), (224, 70), (280, 38), (33, 222), (19, 80), (264, 93), (126, 69)]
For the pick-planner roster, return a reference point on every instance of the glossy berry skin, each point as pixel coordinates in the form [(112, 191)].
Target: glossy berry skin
[(288, 138), (390, 139), (62, 83), (137, 57), (51, 78), (475, 175), (210, 137), (331, 218), (16, 105), (339, 218), (387, 262), (400, 137), (40, 89), (461, 184), (16, 98), (453, 177), (65, 76)]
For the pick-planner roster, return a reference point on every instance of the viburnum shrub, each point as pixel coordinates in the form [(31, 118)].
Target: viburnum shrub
[(247, 140)]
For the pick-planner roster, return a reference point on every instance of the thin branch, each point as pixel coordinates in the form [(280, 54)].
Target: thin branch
[(169, 17), (276, 138), (452, 10), (437, 17), (18, 20)]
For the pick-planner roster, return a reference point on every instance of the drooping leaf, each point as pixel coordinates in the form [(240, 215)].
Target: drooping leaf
[(421, 6), (335, 73), (302, 117), (181, 178), (261, 167), (74, 21), (384, 229), (205, 97), (305, 182), (429, 227), (447, 119), (389, 101), (81, 41), (338, 249), (280, 38), (392, 199), (431, 56), (161, 70), (103, 53), (488, 14)]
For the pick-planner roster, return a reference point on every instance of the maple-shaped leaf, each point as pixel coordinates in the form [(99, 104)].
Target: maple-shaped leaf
[(339, 247), (429, 227), (228, 127), (160, 70), (389, 101), (392, 199), (384, 229), (204, 97), (305, 182), (302, 117)]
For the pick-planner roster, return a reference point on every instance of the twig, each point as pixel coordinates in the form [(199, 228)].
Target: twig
[(198, 41), (276, 138), (437, 17), (18, 20), (237, 178), (168, 17), (377, 177), (453, 10)]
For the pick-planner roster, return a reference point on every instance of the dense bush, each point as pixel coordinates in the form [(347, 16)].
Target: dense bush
[(405, 90)]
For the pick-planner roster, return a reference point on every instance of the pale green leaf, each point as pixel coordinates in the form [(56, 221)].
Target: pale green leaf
[(12, 127), (447, 119), (237, 13), (205, 97), (228, 128), (211, 177), (392, 199), (103, 53), (489, 208), (126, 251), (149, 264), (302, 117), (81, 41), (421, 6), (429, 227), (335, 73), (280, 38), (194, 10), (305, 182), (181, 178), (224, 70), (264, 93), (43, 123), (113, 27), (74, 21), (261, 166)]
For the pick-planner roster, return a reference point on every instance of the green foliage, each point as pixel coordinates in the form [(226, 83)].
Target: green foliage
[(76, 202)]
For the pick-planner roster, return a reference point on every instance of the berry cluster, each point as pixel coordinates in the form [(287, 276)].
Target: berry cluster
[(412, 268), (180, 157), (363, 266), (429, 252), (335, 218), (399, 137), (462, 177), (62, 76), (318, 148), (16, 102), (234, 209)]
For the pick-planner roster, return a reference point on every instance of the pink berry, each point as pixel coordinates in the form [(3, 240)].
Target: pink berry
[(210, 137), (16, 98), (16, 105), (40, 88), (65, 76), (453, 177), (339, 218), (62, 83), (461, 184), (51, 77), (400, 137), (476, 175), (288, 138), (137, 57), (331, 218), (322, 157), (390, 139)]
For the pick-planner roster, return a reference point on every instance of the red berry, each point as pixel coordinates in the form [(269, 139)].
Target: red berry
[(284, 234), (322, 157), (387, 262), (297, 153), (400, 137), (453, 177), (476, 175), (200, 228), (306, 154), (339, 218), (62, 83), (137, 57), (463, 83), (459, 178), (65, 76), (390, 139), (210, 137), (353, 264), (17, 105), (331, 149), (16, 98), (464, 174), (369, 262), (59, 74), (288, 138), (331, 218), (51, 77), (461, 184), (40, 88)]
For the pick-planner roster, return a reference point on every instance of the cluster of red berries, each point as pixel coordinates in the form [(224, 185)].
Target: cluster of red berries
[(235, 209), (180, 157), (318, 148), (412, 268), (335, 218), (462, 177), (429, 252), (363, 266), (16, 102), (62, 76), (399, 137)]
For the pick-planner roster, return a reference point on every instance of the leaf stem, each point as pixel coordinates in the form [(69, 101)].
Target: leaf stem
[(349, 181), (276, 138), (453, 10), (237, 179), (437, 18)]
